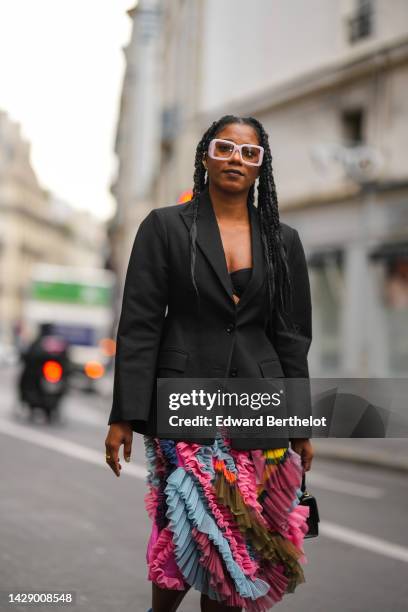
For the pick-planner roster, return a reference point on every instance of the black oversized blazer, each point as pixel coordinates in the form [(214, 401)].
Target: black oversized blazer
[(227, 339)]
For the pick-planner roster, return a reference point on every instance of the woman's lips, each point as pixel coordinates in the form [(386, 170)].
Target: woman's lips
[(233, 173)]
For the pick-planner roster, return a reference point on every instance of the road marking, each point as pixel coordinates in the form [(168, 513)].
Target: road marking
[(362, 540), (344, 486), (66, 447), (73, 449), (322, 481), (78, 451)]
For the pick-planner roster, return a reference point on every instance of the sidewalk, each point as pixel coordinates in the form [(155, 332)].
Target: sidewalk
[(389, 453)]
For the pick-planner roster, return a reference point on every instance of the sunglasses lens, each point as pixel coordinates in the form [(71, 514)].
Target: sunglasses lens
[(251, 154), (223, 149)]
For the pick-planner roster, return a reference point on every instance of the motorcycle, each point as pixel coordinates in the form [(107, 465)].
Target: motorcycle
[(44, 376)]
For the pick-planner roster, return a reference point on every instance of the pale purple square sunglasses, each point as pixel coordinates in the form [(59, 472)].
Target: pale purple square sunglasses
[(250, 154)]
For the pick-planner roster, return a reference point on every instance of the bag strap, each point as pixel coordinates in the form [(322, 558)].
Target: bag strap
[(303, 487)]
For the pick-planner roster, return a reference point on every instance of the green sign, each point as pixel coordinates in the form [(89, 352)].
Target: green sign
[(73, 293)]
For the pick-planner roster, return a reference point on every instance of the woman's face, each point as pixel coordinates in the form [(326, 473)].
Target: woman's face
[(219, 170)]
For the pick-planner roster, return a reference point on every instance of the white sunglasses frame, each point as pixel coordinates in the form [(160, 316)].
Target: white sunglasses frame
[(237, 147)]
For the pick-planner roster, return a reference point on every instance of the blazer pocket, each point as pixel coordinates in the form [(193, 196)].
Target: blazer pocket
[(271, 368), (172, 360)]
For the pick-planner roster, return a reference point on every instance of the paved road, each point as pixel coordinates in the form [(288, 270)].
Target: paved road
[(69, 524)]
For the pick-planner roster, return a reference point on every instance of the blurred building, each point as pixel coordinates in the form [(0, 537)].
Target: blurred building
[(137, 143), (35, 227), (329, 80)]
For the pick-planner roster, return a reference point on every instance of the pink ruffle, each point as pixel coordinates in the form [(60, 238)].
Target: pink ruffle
[(240, 552), (274, 576), (279, 493), (154, 534), (220, 514), (163, 569), (151, 501), (247, 482), (219, 580), (298, 527), (210, 559), (274, 510), (259, 463)]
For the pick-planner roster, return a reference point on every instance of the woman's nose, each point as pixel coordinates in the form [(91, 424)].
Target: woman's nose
[(236, 156)]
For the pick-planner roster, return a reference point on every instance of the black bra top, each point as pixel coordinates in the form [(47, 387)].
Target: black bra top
[(240, 279)]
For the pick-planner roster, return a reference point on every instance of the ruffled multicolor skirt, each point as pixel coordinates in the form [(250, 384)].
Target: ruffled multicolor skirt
[(225, 522)]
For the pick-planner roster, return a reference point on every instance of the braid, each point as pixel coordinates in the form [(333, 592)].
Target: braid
[(278, 278), (279, 283), (199, 184)]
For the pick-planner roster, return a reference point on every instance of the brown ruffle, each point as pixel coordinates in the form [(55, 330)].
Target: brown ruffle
[(272, 546)]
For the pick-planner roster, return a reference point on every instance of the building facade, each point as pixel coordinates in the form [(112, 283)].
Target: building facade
[(137, 143), (329, 81), (35, 227)]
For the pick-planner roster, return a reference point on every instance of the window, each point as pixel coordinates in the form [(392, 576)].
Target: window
[(360, 24), (353, 127), (392, 278), (326, 275), (170, 122)]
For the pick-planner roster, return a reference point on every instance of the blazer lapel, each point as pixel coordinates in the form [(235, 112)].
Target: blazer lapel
[(210, 243)]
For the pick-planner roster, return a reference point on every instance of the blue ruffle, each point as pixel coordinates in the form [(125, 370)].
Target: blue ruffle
[(205, 458), (151, 462), (168, 448), (218, 450), (186, 509), (296, 501)]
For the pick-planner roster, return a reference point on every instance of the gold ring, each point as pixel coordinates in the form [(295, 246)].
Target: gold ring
[(108, 457)]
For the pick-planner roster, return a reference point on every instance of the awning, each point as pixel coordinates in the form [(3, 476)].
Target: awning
[(390, 250)]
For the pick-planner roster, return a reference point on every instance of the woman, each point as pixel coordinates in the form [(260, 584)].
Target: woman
[(226, 513)]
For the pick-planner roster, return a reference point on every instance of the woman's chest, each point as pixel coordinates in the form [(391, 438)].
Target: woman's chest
[(236, 243)]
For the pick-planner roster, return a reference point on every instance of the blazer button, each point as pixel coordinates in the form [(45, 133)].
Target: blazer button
[(230, 328), (234, 372)]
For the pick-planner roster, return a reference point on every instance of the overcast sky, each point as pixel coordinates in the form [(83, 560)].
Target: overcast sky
[(61, 69)]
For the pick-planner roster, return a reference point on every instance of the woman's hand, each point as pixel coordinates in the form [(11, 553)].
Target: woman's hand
[(304, 448), (119, 433)]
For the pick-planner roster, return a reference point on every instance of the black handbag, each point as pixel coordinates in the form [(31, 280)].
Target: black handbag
[(313, 519)]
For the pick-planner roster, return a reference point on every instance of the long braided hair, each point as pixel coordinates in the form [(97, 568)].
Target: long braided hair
[(278, 278)]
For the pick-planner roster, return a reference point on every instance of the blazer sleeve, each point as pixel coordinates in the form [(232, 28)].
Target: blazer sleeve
[(141, 322), (293, 345)]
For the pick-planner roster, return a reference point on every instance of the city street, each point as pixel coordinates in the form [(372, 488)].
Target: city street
[(176, 201), (68, 523)]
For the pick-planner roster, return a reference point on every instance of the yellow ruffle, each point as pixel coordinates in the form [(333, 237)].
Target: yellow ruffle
[(274, 453)]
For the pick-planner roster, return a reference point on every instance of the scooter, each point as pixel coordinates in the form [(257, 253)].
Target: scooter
[(44, 377)]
